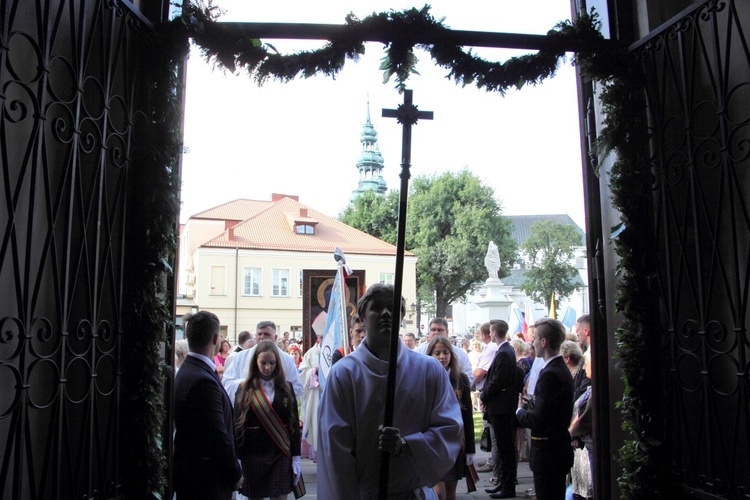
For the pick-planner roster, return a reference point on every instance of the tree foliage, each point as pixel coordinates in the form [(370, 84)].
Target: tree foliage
[(451, 218), (549, 249), (374, 214)]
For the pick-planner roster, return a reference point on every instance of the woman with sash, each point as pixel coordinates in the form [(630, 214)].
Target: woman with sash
[(441, 349), (267, 427)]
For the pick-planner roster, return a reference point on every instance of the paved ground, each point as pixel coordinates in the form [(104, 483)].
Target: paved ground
[(525, 480)]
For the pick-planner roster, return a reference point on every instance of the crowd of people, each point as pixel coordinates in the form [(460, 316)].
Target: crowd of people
[(246, 416)]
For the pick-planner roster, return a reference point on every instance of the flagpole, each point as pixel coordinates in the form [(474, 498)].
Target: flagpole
[(342, 310)]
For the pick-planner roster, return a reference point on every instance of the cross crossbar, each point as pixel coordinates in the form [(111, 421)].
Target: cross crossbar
[(310, 31)]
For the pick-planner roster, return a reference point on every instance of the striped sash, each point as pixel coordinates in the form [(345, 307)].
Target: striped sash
[(271, 421), (276, 429)]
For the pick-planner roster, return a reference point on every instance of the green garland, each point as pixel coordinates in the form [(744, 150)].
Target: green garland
[(152, 228), (624, 134), (230, 49)]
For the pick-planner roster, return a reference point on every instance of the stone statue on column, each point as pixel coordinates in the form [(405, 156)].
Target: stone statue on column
[(492, 260)]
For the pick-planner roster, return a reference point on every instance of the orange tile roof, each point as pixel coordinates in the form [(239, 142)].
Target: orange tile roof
[(272, 229), (234, 210)]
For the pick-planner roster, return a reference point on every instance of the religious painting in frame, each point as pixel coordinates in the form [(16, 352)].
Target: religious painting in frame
[(316, 290)]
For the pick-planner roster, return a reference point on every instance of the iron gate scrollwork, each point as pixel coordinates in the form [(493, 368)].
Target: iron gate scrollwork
[(698, 71), (67, 106)]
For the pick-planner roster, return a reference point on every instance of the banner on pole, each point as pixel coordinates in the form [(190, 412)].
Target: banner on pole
[(569, 318), (528, 319), (552, 312), (515, 319), (336, 330)]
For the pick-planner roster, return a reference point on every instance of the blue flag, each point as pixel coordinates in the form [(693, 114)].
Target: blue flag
[(569, 318), (335, 332)]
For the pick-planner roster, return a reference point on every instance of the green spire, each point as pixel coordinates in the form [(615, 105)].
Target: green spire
[(370, 164)]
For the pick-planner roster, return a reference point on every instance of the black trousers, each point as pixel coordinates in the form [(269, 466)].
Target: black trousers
[(549, 486), (505, 435)]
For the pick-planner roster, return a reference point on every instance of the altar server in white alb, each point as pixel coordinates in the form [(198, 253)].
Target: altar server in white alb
[(425, 438)]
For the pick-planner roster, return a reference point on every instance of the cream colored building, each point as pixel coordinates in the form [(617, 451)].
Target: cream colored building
[(243, 260)]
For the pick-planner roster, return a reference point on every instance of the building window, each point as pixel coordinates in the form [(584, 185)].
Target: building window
[(299, 290), (280, 287), (305, 229), (386, 278), (251, 282), (218, 281), (296, 332)]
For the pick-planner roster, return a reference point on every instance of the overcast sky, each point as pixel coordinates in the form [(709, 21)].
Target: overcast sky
[(302, 138)]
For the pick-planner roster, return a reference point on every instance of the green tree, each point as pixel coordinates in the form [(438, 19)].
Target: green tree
[(549, 250), (374, 214), (450, 220)]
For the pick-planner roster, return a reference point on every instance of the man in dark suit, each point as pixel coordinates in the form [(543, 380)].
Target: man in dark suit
[(551, 455), (205, 462), (499, 395)]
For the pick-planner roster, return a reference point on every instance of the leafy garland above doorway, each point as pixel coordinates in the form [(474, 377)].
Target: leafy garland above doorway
[(624, 134)]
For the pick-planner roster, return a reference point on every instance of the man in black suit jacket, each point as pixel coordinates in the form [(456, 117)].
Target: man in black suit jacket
[(499, 395), (551, 455), (205, 461)]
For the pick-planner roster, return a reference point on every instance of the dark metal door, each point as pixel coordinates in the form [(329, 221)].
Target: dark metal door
[(67, 108), (698, 93)]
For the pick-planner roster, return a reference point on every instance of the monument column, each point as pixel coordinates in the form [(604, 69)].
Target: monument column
[(496, 303)]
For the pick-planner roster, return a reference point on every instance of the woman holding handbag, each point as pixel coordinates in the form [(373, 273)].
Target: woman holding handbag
[(441, 349), (267, 427)]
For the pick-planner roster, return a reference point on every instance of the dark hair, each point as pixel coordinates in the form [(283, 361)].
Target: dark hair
[(453, 371), (200, 329), (442, 321), (410, 334), (242, 403), (243, 337), (266, 324), (379, 290), (552, 330), (500, 327)]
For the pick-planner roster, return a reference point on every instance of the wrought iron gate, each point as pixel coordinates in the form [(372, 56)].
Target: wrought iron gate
[(68, 103), (698, 93)]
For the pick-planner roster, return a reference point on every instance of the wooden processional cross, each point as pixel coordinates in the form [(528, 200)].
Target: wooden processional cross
[(407, 115)]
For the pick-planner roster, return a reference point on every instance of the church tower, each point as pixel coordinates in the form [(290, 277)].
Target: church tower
[(370, 164)]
